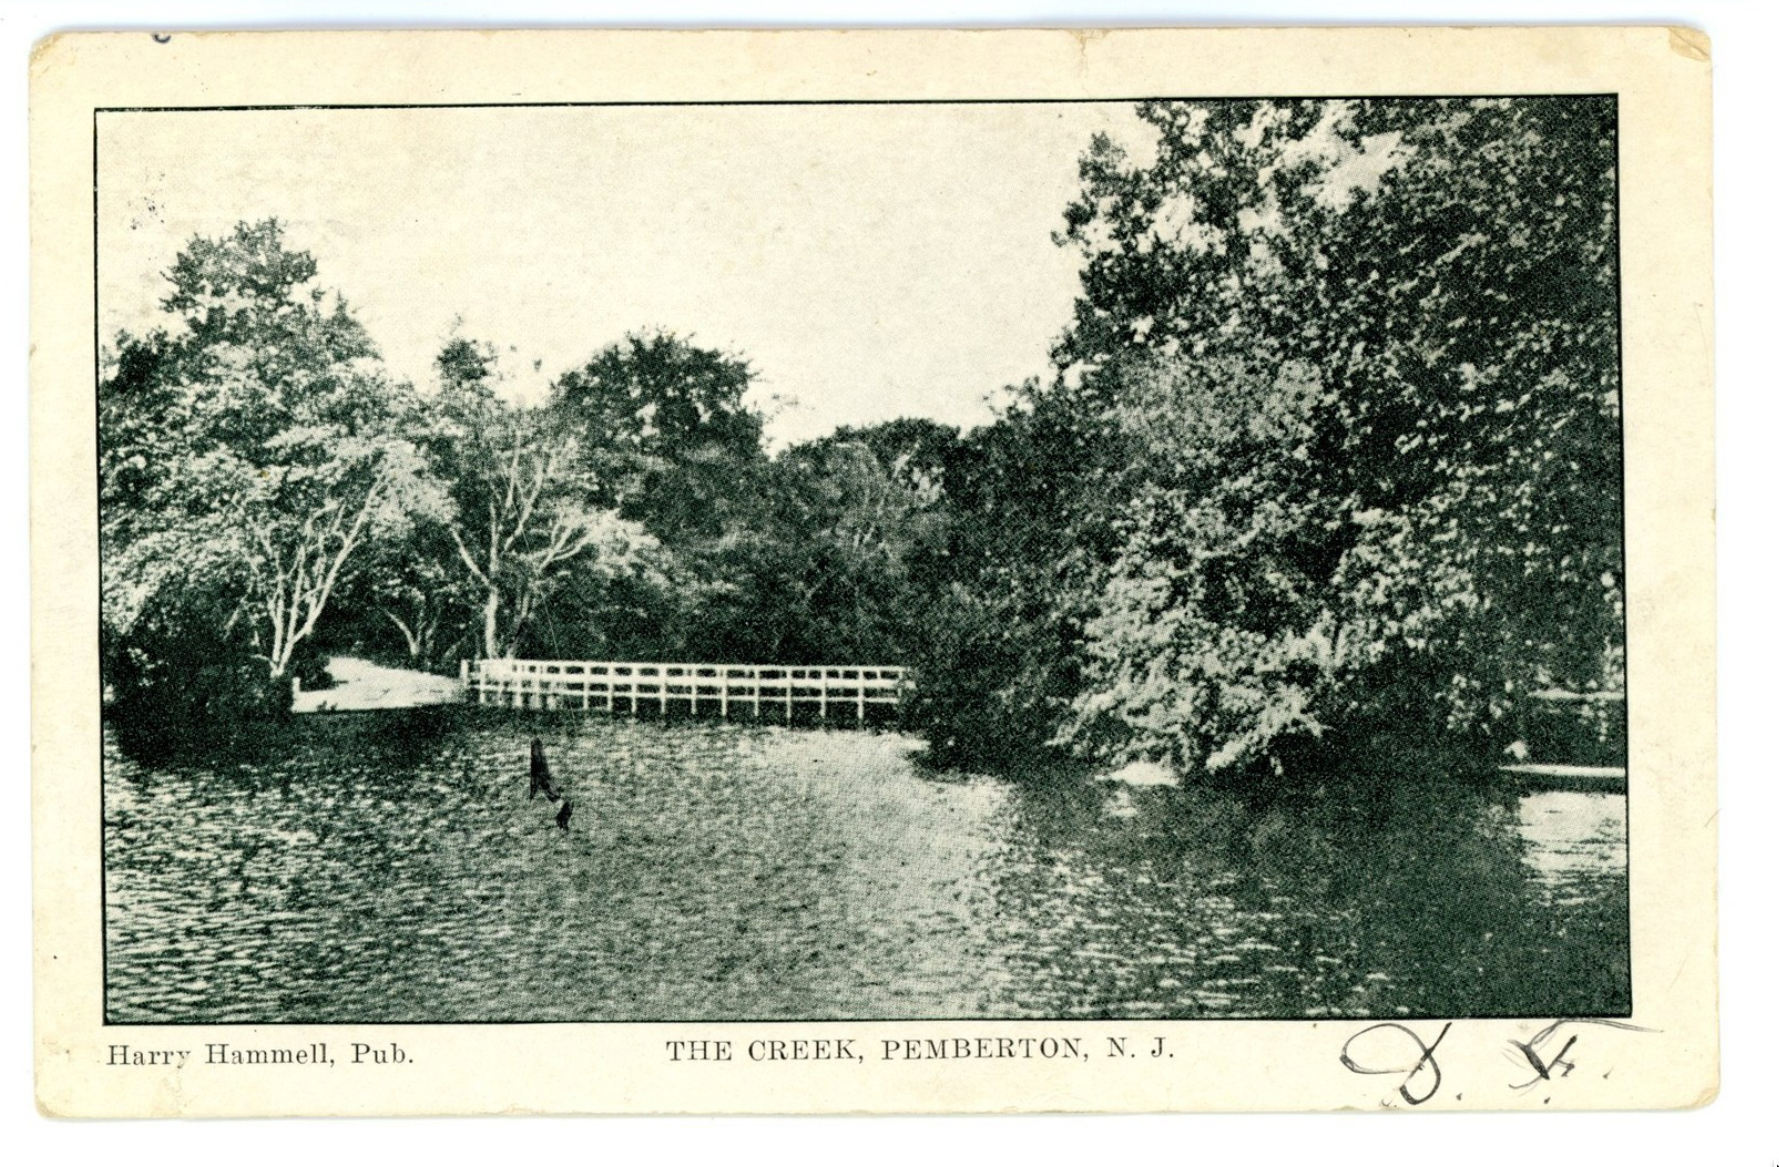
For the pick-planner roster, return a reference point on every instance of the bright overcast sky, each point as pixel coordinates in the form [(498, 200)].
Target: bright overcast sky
[(870, 262)]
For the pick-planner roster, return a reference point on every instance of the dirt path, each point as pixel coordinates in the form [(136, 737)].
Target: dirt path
[(363, 685)]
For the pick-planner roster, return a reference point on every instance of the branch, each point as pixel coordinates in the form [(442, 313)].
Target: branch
[(541, 479), (567, 540), (512, 474), (324, 588), (493, 538), (463, 554)]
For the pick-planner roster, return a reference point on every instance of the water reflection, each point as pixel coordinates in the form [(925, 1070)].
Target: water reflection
[(388, 867)]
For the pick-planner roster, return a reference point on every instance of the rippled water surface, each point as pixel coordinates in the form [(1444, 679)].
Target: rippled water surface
[(389, 867)]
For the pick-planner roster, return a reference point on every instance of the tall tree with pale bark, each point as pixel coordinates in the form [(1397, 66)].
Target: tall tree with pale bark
[(525, 512), (250, 452)]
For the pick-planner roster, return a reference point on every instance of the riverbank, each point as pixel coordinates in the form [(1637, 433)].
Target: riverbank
[(1556, 776), (360, 685)]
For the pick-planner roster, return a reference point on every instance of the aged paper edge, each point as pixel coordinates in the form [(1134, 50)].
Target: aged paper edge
[(1662, 77)]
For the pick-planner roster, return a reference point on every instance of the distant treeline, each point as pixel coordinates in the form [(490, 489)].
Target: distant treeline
[(1327, 468)]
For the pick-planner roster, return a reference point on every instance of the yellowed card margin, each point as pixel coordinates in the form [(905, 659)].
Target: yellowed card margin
[(1662, 77)]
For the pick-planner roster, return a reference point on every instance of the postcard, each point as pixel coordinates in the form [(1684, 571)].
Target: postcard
[(874, 571)]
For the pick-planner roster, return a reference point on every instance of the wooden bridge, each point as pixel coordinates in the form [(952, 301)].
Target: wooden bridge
[(762, 692)]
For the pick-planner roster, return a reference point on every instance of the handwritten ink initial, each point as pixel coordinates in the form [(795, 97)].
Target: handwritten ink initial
[(1405, 1054)]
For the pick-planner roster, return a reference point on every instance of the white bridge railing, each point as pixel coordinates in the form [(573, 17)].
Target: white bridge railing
[(630, 686)]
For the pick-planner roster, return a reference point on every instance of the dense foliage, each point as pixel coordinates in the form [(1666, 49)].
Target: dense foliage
[(1340, 424), (1327, 467), (249, 457)]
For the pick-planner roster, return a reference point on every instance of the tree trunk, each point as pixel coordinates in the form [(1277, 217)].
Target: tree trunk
[(415, 637), (491, 625)]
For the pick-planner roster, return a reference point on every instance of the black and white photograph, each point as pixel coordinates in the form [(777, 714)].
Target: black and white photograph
[(821, 572), (943, 560)]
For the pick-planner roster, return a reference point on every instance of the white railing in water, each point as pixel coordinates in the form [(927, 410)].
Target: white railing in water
[(630, 686)]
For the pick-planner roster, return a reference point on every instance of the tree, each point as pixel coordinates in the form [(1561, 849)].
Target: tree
[(1360, 359), (301, 521), (1496, 240), (524, 493), (1219, 638), (249, 453), (818, 568), (915, 452), (1005, 593), (416, 591), (664, 429)]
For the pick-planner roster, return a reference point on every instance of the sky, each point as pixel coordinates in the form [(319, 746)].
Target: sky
[(870, 262)]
